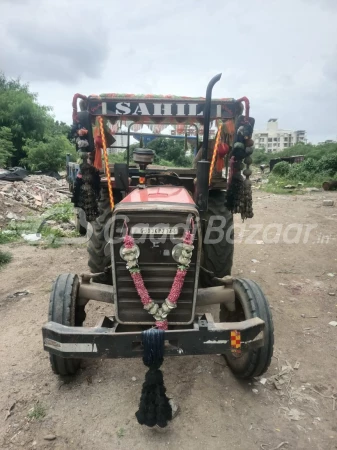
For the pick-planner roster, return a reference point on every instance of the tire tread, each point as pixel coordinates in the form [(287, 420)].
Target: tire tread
[(62, 310), (218, 258), (98, 250), (258, 306)]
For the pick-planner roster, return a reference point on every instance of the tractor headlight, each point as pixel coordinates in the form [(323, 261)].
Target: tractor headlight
[(176, 252), (128, 256)]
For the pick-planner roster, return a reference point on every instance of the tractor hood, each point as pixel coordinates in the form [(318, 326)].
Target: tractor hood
[(160, 194)]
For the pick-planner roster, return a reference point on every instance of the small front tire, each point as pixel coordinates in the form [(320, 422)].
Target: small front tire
[(63, 310), (250, 302)]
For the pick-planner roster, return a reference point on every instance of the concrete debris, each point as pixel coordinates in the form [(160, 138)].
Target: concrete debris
[(281, 379), (50, 437), (328, 202), (333, 323), (292, 413), (18, 294), (32, 237), (10, 410), (175, 408), (12, 216), (37, 191)]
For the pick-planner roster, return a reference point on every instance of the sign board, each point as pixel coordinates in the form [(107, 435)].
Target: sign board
[(180, 110)]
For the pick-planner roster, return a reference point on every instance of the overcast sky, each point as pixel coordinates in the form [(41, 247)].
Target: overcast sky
[(282, 54)]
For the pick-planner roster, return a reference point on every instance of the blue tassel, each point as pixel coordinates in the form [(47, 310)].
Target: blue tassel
[(154, 407)]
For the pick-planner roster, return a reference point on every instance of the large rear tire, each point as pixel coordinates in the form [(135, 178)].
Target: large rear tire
[(98, 247), (250, 302), (63, 310), (217, 257)]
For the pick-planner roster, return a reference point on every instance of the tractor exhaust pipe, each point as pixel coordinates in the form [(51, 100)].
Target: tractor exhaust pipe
[(207, 114), (201, 188)]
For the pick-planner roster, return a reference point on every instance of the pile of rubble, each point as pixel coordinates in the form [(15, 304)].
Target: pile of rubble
[(36, 191)]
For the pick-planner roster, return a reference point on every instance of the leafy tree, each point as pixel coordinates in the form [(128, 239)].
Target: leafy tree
[(119, 157), (320, 165), (56, 127), (261, 157), (20, 112), (28, 132), (328, 164), (6, 145), (170, 150), (48, 154), (315, 152), (281, 168)]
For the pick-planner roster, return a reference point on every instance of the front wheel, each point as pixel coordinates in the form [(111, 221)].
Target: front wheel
[(63, 310), (250, 302)]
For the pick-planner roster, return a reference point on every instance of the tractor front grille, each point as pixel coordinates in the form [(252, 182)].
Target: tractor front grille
[(158, 269)]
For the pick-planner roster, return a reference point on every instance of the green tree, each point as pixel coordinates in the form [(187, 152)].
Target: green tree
[(20, 112), (315, 152), (328, 164), (6, 145), (49, 154), (171, 150), (56, 127), (261, 157), (282, 169)]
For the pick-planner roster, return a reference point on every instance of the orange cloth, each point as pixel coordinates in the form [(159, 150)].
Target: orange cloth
[(98, 154)]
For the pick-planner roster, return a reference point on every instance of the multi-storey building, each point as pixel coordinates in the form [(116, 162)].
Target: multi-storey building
[(274, 139)]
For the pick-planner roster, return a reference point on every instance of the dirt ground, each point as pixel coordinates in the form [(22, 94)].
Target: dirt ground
[(296, 410)]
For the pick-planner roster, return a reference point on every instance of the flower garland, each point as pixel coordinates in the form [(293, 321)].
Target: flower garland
[(130, 254)]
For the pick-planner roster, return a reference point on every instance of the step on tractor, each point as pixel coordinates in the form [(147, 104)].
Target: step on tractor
[(161, 246)]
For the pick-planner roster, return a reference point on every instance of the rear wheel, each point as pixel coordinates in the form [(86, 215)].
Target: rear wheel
[(217, 256), (98, 247), (63, 310), (250, 302)]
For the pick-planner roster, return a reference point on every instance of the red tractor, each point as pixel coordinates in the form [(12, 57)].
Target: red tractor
[(161, 247)]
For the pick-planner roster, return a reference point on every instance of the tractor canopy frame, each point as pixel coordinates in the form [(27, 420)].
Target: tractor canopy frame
[(167, 109)]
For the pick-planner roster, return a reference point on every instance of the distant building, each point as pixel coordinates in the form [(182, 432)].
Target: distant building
[(274, 140)]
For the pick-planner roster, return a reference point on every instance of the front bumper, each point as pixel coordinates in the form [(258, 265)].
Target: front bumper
[(110, 340)]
